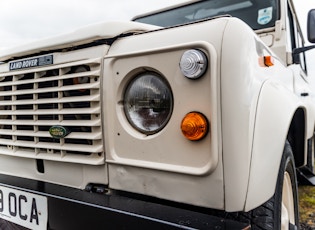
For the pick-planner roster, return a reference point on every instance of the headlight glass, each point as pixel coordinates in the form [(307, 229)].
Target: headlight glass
[(148, 103)]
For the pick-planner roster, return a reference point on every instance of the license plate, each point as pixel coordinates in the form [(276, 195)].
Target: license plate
[(23, 208)]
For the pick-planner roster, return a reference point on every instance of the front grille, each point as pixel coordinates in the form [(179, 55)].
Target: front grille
[(34, 100)]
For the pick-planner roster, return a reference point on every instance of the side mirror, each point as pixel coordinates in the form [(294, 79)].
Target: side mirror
[(311, 26)]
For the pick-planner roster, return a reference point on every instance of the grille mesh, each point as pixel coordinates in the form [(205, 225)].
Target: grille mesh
[(34, 100)]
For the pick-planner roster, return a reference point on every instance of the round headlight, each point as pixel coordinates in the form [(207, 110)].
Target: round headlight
[(148, 103), (193, 64)]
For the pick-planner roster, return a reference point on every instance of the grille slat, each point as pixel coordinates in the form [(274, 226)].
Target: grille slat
[(90, 123), (95, 85), (93, 98), (51, 146), (43, 79), (51, 111), (92, 136), (34, 100)]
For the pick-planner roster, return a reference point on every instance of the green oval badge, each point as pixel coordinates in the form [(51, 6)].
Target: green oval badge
[(58, 131)]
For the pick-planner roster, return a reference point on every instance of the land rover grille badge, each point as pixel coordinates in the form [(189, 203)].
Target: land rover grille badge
[(58, 131)]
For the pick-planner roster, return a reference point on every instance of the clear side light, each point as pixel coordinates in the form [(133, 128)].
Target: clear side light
[(193, 63), (148, 103)]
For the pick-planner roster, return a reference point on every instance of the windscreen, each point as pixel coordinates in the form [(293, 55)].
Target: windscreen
[(258, 14)]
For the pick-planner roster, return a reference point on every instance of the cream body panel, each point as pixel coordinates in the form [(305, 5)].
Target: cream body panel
[(273, 96), (166, 165), (241, 81), (273, 121), (62, 173)]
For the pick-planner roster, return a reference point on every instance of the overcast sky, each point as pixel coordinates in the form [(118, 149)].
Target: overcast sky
[(25, 20), (22, 21)]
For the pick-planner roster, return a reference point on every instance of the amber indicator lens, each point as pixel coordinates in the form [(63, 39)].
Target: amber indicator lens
[(194, 126), (266, 61)]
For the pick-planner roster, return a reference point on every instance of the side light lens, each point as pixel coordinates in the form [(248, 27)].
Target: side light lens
[(266, 61), (148, 103), (193, 64), (194, 126), (269, 61)]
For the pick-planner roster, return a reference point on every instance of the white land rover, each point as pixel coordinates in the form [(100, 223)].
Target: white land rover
[(197, 116)]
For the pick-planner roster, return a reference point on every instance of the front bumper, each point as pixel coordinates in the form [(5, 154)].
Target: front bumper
[(70, 208)]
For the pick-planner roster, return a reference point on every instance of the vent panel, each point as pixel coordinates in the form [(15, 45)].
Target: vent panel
[(34, 100)]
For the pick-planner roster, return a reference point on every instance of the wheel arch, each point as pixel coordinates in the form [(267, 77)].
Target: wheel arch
[(297, 136), (279, 114)]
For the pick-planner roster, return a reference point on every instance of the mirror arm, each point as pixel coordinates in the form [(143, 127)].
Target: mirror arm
[(303, 49), (297, 51)]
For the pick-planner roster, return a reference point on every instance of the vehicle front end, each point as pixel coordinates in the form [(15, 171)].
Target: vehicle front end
[(112, 124), (127, 124)]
